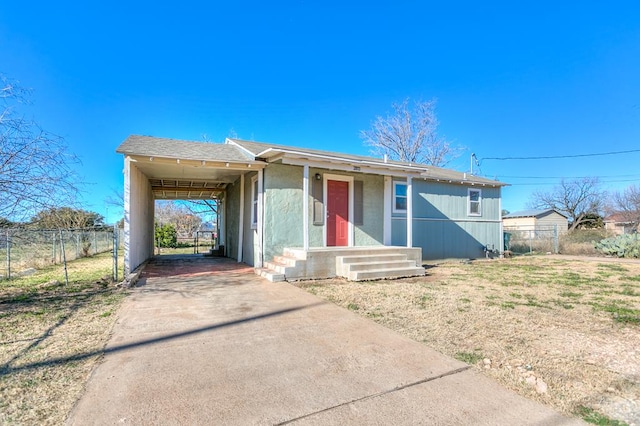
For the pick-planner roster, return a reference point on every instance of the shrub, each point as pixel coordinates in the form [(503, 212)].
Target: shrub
[(166, 235), (626, 245)]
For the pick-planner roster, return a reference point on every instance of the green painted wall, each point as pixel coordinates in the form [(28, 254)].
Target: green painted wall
[(282, 209), (232, 200), (232, 212), (371, 231)]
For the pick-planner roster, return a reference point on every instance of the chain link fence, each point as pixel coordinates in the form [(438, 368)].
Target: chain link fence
[(24, 250), (532, 239), (552, 239)]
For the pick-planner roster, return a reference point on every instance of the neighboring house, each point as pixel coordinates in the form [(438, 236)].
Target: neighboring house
[(531, 220), (619, 223), (306, 213)]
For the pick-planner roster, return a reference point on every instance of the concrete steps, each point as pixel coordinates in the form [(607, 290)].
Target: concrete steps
[(283, 268), (377, 267), (353, 263), (270, 275)]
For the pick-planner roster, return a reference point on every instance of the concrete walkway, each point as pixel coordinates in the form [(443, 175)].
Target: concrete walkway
[(205, 341)]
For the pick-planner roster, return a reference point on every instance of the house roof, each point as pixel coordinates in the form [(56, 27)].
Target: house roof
[(250, 152), (180, 149), (532, 213), (618, 217), (267, 151)]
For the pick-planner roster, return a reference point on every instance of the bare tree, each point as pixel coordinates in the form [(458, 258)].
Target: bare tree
[(182, 217), (627, 204), (36, 171), (578, 199), (410, 135), (66, 218)]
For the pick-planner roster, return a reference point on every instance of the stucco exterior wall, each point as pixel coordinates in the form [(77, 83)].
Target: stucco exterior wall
[(232, 201), (283, 209), (442, 226), (139, 209), (232, 218)]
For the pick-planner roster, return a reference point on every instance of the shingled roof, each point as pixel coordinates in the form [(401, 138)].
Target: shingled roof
[(241, 151), (180, 149), (266, 150)]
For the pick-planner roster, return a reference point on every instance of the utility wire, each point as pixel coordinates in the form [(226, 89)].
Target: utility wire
[(570, 177), (555, 183), (561, 156)]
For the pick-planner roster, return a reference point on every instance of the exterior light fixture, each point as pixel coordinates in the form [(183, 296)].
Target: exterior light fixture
[(318, 177)]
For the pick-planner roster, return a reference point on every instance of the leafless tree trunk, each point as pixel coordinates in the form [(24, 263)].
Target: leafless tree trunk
[(410, 135), (36, 171), (577, 199)]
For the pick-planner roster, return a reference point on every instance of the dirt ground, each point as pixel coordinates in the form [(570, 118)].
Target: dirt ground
[(51, 336), (561, 330)]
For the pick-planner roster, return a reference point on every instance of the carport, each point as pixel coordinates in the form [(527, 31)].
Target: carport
[(169, 169)]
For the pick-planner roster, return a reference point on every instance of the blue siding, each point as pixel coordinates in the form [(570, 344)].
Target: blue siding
[(442, 225)]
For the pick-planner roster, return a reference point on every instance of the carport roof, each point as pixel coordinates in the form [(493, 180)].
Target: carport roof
[(184, 150)]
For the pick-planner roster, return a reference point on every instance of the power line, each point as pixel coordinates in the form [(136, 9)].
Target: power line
[(570, 177), (555, 183), (551, 157)]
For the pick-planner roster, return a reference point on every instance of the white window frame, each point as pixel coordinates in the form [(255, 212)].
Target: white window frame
[(395, 196), (254, 202), (469, 202)]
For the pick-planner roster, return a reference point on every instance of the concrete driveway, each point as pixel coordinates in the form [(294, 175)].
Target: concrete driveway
[(205, 341)]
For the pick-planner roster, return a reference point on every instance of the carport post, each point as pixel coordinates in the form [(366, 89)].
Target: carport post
[(260, 219), (241, 224), (409, 213), (222, 223), (305, 208)]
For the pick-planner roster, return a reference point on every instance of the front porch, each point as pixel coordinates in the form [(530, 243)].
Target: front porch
[(353, 263)]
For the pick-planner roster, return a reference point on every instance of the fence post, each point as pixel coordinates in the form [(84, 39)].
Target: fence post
[(95, 243), (115, 253), (53, 247), (8, 256), (64, 259), (556, 244)]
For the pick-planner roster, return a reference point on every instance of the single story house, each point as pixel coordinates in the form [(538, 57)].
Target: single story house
[(296, 213), (621, 223), (540, 220)]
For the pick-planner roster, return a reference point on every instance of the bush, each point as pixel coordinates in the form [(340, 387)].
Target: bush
[(626, 245), (166, 235), (585, 235)]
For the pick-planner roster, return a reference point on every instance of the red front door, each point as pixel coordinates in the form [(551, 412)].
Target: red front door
[(337, 213)]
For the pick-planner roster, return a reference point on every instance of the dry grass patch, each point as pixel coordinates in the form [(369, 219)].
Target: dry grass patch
[(563, 332), (51, 337)]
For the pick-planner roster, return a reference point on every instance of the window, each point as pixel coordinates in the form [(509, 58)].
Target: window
[(399, 197), (475, 196), (254, 202)]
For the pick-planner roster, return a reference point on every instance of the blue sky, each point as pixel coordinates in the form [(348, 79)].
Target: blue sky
[(512, 79)]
